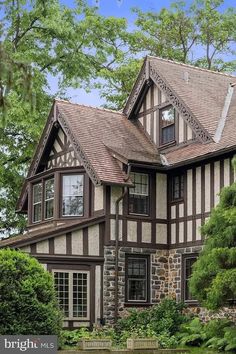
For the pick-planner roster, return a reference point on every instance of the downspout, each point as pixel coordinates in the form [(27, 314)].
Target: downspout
[(117, 245)]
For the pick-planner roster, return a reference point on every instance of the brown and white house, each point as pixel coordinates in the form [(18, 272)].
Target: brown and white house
[(115, 200)]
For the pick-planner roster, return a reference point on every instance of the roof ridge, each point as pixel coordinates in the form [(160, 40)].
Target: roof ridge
[(89, 106), (192, 66)]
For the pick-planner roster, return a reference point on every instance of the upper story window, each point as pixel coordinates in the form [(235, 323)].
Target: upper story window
[(177, 187), (73, 195), (49, 198), (37, 202), (139, 194), (167, 125), (43, 204)]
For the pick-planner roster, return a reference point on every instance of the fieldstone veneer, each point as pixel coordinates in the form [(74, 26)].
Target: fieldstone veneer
[(165, 273)]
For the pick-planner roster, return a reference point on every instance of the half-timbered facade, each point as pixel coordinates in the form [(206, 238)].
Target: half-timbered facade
[(115, 200)]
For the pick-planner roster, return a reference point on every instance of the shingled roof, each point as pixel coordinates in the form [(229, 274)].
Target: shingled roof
[(103, 135), (102, 138)]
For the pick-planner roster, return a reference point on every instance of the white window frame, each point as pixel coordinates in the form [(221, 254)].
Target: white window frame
[(37, 203), (48, 199), (68, 195), (71, 272)]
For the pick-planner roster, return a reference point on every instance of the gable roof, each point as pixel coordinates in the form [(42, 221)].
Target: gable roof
[(197, 94), (97, 136), (102, 138)]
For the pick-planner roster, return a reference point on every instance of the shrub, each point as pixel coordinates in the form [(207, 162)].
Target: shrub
[(28, 303), (218, 334), (162, 321)]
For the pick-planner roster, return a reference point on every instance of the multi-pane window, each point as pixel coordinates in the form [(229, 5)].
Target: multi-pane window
[(167, 123), (177, 187), (187, 272), (137, 279), (49, 198), (37, 202), (72, 288), (73, 195), (139, 194)]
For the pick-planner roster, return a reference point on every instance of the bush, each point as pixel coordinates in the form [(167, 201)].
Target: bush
[(161, 321), (28, 303)]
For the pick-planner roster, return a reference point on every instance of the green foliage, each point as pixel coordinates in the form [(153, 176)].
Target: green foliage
[(218, 334), (214, 274), (40, 39), (178, 32), (28, 302), (162, 321)]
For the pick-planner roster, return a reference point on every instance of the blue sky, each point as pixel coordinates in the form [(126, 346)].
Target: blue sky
[(117, 8)]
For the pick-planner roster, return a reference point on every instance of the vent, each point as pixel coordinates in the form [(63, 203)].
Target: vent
[(186, 76)]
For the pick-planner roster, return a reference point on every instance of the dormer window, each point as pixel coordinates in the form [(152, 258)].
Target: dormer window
[(167, 125), (73, 195)]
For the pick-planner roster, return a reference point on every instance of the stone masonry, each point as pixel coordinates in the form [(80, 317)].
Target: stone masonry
[(165, 273)]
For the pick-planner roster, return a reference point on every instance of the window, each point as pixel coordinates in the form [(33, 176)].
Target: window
[(37, 202), (137, 279), (139, 194), (187, 272), (72, 288), (49, 198), (177, 187), (73, 195), (167, 122), (43, 200)]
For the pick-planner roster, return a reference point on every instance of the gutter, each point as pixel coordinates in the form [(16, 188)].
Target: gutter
[(117, 245)]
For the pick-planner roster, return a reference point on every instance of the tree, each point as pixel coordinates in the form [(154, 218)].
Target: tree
[(38, 39), (199, 33), (213, 281), (28, 301), (181, 32)]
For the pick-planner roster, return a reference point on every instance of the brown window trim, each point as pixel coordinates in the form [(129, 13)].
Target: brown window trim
[(148, 284), (191, 302), (56, 174), (86, 195), (138, 215), (34, 182), (162, 145), (181, 198)]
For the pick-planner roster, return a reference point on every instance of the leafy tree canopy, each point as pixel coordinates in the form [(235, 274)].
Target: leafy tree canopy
[(84, 49), (214, 274)]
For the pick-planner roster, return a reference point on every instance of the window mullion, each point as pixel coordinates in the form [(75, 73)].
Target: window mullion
[(71, 295)]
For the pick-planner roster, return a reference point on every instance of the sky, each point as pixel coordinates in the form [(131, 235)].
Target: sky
[(117, 8)]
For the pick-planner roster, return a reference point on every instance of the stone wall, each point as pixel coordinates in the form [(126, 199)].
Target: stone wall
[(165, 273), (158, 274)]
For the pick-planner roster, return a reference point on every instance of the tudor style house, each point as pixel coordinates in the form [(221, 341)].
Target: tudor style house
[(115, 200)]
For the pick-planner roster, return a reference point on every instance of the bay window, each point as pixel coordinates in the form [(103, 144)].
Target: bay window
[(49, 198), (73, 195), (37, 202)]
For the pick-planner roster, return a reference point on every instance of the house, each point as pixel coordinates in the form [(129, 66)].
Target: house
[(115, 200)]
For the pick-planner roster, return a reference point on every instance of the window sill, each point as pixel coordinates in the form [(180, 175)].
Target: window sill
[(167, 145), (137, 304), (177, 201), (191, 303)]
